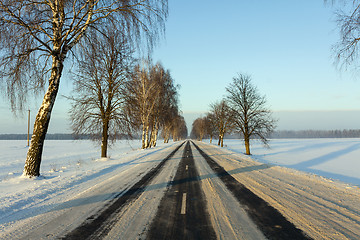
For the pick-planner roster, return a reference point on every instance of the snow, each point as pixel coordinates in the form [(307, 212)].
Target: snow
[(68, 169), (337, 159), (221, 204), (74, 175), (322, 208)]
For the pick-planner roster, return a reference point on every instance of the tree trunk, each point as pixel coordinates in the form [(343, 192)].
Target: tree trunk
[(146, 137), (33, 159), (247, 145), (155, 135), (222, 140), (167, 137), (143, 138), (219, 140), (104, 139), (150, 137), (211, 139)]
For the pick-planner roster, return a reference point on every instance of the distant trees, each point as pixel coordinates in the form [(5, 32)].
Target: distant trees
[(222, 119), (152, 103), (37, 36), (346, 133), (210, 126), (217, 122), (99, 96), (251, 116), (199, 128), (243, 111), (179, 129)]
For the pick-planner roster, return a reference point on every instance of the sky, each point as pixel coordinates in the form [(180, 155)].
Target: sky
[(286, 46)]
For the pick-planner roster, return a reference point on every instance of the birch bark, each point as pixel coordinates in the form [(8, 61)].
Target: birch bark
[(33, 159)]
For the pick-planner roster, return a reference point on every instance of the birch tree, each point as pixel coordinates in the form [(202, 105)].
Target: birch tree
[(98, 101), (151, 97), (222, 119), (347, 49), (199, 128), (170, 115), (37, 36), (210, 127), (165, 100), (179, 130), (142, 93), (252, 118)]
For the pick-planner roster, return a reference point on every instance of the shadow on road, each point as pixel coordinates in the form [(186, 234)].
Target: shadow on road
[(107, 196)]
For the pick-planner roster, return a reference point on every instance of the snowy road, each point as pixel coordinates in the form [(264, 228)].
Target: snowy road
[(199, 191)]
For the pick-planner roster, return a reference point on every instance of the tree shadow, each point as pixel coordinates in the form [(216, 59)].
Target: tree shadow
[(307, 166), (164, 185), (16, 212), (325, 158)]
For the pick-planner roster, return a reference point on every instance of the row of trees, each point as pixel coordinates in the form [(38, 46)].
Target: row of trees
[(346, 133), (114, 95), (38, 36), (152, 103), (243, 111)]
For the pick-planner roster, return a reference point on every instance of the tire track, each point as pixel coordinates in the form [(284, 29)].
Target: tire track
[(269, 220), (182, 211), (98, 225)]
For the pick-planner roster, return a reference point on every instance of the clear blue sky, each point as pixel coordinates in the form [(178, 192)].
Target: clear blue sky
[(285, 45)]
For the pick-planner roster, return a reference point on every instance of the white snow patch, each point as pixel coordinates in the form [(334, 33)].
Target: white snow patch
[(332, 158), (68, 169)]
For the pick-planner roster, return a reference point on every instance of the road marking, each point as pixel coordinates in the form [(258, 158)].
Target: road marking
[(187, 167), (183, 205)]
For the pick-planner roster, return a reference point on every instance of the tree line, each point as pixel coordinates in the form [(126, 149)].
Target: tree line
[(37, 37), (242, 111), (345, 133)]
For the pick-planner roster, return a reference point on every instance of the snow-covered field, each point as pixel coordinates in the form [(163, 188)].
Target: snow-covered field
[(68, 168), (73, 167), (332, 158)]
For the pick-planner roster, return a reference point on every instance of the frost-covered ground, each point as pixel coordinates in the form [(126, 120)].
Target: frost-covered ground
[(332, 158)]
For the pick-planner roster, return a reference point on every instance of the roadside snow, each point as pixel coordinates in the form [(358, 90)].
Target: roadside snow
[(74, 176), (320, 207), (228, 217), (69, 169), (337, 159)]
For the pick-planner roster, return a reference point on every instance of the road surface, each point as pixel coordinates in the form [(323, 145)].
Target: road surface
[(196, 191)]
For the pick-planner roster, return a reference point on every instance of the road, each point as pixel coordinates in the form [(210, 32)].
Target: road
[(194, 192)]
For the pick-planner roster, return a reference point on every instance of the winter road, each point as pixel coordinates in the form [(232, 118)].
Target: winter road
[(196, 191)]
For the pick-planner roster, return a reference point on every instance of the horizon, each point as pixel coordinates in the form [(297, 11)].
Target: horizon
[(319, 120)]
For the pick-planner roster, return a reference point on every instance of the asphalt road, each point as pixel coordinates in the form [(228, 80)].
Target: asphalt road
[(186, 195), (182, 212)]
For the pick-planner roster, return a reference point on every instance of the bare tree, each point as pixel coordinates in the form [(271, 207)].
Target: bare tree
[(251, 116), (98, 105), (37, 36), (152, 100), (166, 99), (199, 128), (222, 119), (169, 123), (142, 93), (347, 49), (179, 128), (210, 125)]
